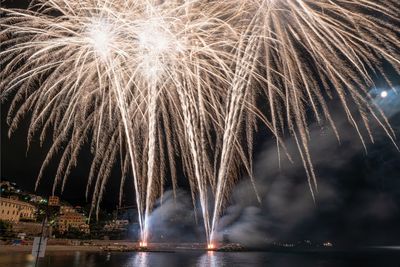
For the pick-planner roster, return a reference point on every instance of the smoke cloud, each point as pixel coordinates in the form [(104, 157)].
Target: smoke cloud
[(173, 219), (287, 211)]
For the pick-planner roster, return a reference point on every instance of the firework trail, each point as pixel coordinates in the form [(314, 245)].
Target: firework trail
[(145, 82), (299, 54), (106, 71)]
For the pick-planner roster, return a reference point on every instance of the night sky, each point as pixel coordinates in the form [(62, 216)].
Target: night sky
[(362, 206)]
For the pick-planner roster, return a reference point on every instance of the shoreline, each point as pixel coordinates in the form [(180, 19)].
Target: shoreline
[(120, 248), (101, 246)]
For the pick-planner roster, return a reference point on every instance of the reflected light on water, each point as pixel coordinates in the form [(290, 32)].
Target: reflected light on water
[(141, 259), (77, 258), (209, 259)]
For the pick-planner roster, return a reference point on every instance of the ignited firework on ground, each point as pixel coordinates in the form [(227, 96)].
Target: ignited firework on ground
[(151, 82)]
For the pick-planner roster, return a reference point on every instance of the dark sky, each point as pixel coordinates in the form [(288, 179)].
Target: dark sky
[(364, 206)]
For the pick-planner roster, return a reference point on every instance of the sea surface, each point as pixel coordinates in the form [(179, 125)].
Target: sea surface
[(199, 259)]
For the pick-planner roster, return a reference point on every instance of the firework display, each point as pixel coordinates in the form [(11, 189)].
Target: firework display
[(148, 83)]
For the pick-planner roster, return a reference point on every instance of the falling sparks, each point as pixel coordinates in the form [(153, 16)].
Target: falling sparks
[(143, 82)]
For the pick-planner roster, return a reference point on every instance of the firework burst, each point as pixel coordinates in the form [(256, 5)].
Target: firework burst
[(145, 82)]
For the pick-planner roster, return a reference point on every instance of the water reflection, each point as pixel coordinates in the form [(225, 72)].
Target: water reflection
[(200, 259), (210, 259), (108, 256), (77, 258), (141, 259)]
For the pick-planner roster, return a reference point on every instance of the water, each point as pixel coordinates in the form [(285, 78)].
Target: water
[(197, 259)]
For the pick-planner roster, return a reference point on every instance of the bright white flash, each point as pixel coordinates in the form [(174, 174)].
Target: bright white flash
[(100, 35), (384, 94), (154, 41), (156, 46)]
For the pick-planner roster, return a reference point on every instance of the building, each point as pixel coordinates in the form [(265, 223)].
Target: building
[(54, 201), (67, 209), (12, 209), (116, 225), (69, 218)]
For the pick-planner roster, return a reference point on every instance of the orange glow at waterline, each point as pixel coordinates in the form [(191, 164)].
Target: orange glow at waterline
[(210, 246)]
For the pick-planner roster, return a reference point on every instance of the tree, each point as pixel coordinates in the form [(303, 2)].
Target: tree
[(6, 230)]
